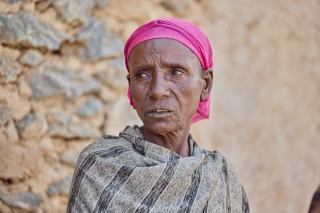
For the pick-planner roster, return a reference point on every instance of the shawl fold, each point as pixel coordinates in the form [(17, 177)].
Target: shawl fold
[(130, 174)]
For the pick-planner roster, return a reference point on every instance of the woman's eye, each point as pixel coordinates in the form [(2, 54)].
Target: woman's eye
[(177, 72), (141, 75)]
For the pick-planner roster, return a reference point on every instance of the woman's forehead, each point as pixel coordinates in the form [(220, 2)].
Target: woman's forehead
[(162, 49)]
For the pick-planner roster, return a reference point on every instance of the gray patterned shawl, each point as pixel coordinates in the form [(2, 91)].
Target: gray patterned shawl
[(129, 174)]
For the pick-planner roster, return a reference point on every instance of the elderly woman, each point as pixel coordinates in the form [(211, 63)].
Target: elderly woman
[(158, 167)]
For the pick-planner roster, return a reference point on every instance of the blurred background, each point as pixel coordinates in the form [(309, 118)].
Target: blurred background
[(63, 84)]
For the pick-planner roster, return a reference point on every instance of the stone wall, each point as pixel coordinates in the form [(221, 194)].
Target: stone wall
[(62, 84)]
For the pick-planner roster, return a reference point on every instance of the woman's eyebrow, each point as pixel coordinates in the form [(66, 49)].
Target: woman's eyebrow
[(174, 64), (145, 67), (180, 65), (142, 67)]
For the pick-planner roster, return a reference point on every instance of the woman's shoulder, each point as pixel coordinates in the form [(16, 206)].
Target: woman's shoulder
[(104, 144), (224, 160), (222, 163), (215, 155)]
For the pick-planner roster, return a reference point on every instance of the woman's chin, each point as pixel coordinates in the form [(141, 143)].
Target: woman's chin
[(161, 127)]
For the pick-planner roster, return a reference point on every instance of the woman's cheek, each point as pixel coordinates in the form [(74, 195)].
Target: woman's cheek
[(138, 91)]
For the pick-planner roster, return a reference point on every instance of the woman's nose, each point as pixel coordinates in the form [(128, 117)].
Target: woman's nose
[(159, 87)]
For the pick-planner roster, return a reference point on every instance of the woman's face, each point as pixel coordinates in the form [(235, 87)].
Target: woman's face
[(166, 84)]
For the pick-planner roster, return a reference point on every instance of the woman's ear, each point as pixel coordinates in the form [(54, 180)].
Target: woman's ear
[(207, 76), (128, 78)]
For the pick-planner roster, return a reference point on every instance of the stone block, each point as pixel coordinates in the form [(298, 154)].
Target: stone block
[(18, 163), (8, 133), (52, 80), (176, 5), (115, 81), (9, 68), (32, 126), (15, 1), (25, 200), (28, 6), (4, 208), (64, 125), (44, 4), (31, 58), (93, 42), (6, 7), (71, 154), (24, 88), (108, 95), (70, 157), (60, 188), (11, 99), (100, 3), (5, 115), (90, 107), (24, 29), (118, 64), (76, 11)]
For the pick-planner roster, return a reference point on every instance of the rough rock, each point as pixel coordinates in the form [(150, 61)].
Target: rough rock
[(10, 98), (32, 126), (71, 154), (28, 6), (52, 80), (60, 188), (94, 42), (24, 88), (120, 115), (115, 81), (18, 162), (100, 3), (24, 29), (5, 115), (70, 157), (24, 200), (6, 8), (118, 64), (90, 107), (99, 41), (108, 95), (9, 68), (31, 58), (8, 133), (176, 5), (76, 11), (15, 1), (64, 125), (4, 208), (44, 4)]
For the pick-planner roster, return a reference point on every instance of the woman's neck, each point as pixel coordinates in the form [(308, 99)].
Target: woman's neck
[(174, 141)]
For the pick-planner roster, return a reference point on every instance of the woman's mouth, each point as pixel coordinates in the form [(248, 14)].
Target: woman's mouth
[(162, 110), (159, 113)]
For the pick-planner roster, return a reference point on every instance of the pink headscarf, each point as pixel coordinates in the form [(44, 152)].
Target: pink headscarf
[(184, 32)]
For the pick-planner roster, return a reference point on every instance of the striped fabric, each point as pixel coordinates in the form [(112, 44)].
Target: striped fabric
[(129, 174)]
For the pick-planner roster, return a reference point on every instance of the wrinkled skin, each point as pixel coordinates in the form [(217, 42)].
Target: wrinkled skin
[(167, 82)]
